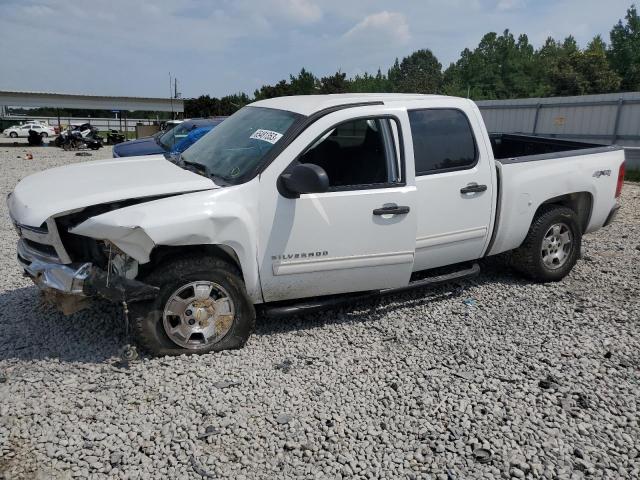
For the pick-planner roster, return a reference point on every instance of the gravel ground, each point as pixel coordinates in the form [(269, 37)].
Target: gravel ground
[(545, 377)]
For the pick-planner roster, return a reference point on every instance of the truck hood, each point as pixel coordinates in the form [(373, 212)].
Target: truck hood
[(142, 146), (63, 189)]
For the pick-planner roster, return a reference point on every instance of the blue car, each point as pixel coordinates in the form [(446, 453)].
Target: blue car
[(194, 135), (163, 143)]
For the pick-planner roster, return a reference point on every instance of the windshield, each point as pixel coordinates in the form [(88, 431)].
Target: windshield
[(239, 144), (169, 139)]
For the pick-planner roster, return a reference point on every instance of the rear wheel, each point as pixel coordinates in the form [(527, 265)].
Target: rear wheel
[(551, 247), (44, 134), (202, 307)]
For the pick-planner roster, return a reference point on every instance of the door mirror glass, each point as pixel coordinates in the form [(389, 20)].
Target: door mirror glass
[(305, 178)]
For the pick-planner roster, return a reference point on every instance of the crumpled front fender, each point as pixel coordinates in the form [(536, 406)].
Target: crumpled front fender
[(225, 217)]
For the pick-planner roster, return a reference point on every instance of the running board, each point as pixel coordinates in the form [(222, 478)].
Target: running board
[(278, 309), (436, 280)]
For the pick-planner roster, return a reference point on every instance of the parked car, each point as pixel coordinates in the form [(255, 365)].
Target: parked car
[(298, 203), (193, 136), (23, 130), (161, 143), (169, 124)]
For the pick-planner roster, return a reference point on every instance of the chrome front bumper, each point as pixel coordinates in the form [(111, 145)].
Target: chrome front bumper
[(81, 279), (69, 278)]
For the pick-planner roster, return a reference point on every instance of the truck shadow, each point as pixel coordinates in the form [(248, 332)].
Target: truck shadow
[(493, 272), (31, 330)]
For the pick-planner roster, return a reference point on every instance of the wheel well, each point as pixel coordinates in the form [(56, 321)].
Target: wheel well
[(164, 253), (580, 202)]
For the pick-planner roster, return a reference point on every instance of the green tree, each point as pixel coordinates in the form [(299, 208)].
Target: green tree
[(559, 64), (206, 106), (624, 53), (280, 89), (304, 84), (499, 67), (336, 83), (367, 83), (596, 70), (420, 72)]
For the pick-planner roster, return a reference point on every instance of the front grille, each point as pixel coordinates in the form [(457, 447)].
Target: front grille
[(48, 250), (43, 241), (41, 230)]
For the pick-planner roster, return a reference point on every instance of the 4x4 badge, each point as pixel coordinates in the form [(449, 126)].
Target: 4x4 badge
[(600, 173)]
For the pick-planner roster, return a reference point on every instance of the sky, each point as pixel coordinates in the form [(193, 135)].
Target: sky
[(218, 47)]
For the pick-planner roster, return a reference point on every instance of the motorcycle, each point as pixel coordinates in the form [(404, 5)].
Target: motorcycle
[(82, 136)]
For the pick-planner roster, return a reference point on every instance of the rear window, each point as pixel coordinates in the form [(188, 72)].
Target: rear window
[(442, 140)]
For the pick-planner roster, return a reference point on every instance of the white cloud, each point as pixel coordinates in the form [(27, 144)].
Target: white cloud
[(382, 26)]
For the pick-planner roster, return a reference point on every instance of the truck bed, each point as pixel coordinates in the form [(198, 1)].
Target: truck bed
[(532, 170), (512, 146)]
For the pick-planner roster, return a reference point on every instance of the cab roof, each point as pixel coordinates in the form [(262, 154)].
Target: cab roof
[(310, 104)]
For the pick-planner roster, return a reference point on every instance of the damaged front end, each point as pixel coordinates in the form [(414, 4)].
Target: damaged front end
[(98, 269)]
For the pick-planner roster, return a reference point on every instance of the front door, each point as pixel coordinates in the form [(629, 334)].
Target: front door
[(360, 234)]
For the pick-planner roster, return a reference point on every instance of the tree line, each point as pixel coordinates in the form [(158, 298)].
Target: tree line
[(500, 67)]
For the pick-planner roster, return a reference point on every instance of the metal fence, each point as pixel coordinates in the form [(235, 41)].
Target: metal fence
[(102, 124), (609, 119)]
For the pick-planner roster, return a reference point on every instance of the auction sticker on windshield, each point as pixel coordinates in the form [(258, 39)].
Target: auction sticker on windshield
[(266, 135)]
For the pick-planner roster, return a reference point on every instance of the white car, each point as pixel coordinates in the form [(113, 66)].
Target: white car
[(298, 203), (23, 130)]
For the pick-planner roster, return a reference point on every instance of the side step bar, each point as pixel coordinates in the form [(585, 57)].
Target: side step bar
[(436, 280), (279, 309)]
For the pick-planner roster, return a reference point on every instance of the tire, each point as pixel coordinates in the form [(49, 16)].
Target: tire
[(13, 134), (536, 259), (44, 134), (151, 324)]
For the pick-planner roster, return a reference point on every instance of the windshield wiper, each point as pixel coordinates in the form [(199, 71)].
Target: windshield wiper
[(201, 169)]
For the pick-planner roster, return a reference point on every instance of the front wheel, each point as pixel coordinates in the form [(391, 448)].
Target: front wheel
[(44, 134), (13, 135), (551, 247), (202, 307)]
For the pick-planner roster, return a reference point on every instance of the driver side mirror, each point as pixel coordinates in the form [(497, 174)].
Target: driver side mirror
[(304, 178)]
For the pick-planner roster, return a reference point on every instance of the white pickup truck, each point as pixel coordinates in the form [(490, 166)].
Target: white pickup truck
[(296, 203)]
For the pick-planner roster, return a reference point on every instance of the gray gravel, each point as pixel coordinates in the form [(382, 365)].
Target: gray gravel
[(545, 377)]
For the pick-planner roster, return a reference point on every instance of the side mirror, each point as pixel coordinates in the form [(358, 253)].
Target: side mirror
[(305, 178)]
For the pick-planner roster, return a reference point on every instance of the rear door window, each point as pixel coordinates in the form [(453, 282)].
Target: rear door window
[(442, 141)]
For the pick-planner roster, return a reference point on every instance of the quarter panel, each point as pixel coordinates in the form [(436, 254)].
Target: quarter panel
[(527, 185)]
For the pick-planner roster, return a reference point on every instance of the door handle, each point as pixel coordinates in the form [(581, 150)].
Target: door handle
[(473, 188), (391, 210)]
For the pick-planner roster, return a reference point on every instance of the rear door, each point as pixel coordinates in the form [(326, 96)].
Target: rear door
[(341, 240), (454, 180)]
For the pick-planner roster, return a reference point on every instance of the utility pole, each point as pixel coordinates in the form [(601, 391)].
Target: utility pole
[(171, 95), (176, 93)]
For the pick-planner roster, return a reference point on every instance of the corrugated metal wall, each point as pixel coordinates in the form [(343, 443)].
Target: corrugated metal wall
[(608, 119)]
